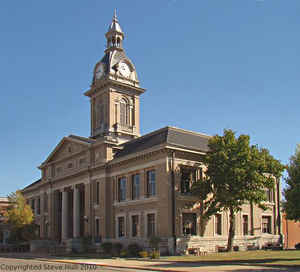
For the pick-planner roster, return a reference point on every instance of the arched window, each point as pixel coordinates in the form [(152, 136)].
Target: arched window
[(124, 112)]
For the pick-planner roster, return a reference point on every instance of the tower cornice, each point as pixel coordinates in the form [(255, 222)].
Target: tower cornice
[(113, 83)]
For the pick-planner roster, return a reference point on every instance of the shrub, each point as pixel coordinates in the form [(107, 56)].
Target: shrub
[(133, 249), (297, 246), (155, 254), (154, 242), (143, 254), (123, 253), (117, 247), (107, 247)]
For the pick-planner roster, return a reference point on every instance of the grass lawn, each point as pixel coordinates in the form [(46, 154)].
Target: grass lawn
[(264, 257)]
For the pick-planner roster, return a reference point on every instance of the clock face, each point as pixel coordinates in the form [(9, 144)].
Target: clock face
[(124, 69), (99, 71)]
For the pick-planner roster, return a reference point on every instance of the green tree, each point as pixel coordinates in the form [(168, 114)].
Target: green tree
[(291, 204), (19, 213), (239, 173)]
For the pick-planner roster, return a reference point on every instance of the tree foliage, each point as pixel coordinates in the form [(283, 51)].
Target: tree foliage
[(19, 213), (238, 173), (292, 192)]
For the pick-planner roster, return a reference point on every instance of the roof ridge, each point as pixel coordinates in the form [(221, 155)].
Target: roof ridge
[(81, 137), (147, 135), (189, 131)]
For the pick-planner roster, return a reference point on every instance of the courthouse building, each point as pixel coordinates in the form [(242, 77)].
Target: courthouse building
[(117, 185)]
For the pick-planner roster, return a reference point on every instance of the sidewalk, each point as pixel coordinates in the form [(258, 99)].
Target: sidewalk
[(151, 265), (170, 266)]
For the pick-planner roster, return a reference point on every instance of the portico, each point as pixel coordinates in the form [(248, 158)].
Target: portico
[(70, 215)]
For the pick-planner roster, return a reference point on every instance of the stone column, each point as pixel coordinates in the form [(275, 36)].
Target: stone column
[(87, 208), (64, 217), (76, 213)]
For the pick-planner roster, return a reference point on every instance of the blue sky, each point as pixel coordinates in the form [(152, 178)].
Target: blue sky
[(206, 65)]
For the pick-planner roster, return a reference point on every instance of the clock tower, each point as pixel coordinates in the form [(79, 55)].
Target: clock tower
[(114, 92)]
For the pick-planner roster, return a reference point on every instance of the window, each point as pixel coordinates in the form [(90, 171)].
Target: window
[(151, 183), (97, 227), (136, 186), (70, 148), (189, 223), (82, 161), (46, 230), (122, 189), (97, 193), (188, 177), (135, 225), (124, 112), (45, 202), (33, 205), (245, 224), (38, 206), (121, 226), (70, 165), (58, 171), (218, 224), (269, 195), (266, 224), (150, 224)]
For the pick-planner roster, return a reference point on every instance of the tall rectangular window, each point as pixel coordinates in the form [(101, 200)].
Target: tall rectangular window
[(97, 193), (188, 177), (97, 227), (135, 225), (135, 186), (45, 202), (266, 224), (122, 189), (218, 224), (151, 183), (38, 206), (33, 205), (189, 223), (245, 224), (269, 195), (121, 226), (150, 224)]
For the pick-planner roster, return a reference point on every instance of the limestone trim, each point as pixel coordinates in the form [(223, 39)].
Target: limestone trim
[(184, 149), (131, 202), (137, 168), (56, 149)]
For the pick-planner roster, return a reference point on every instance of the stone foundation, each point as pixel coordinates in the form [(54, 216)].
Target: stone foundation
[(210, 244)]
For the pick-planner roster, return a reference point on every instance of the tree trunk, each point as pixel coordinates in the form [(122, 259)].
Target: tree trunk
[(252, 218), (203, 224), (231, 230), (203, 220)]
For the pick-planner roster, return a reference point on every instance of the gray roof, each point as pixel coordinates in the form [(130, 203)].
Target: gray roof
[(168, 135), (32, 184), (83, 139)]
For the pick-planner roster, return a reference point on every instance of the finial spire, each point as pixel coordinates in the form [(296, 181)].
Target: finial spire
[(114, 34), (115, 15)]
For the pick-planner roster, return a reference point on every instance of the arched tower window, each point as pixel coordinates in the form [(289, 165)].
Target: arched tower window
[(124, 112)]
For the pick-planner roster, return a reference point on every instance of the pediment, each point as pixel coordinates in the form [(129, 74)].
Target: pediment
[(68, 146)]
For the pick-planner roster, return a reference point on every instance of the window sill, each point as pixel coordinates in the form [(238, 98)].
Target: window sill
[(135, 202)]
